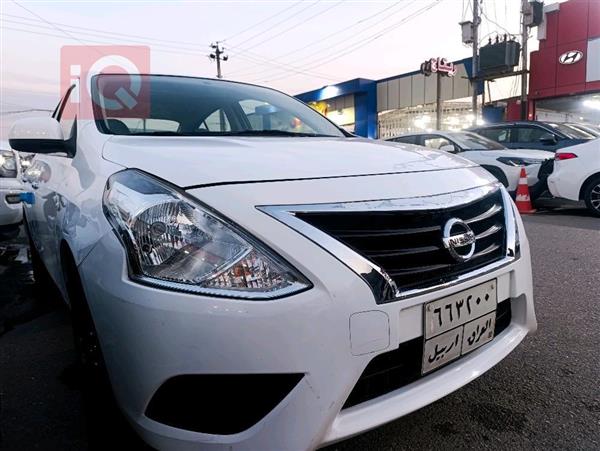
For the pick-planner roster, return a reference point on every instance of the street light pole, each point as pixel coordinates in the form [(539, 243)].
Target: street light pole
[(438, 102), (475, 63), (524, 56)]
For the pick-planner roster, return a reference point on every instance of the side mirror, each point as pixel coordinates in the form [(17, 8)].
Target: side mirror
[(448, 148), (548, 139), (37, 135)]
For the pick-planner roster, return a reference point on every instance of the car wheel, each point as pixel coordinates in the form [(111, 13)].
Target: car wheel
[(591, 195), (498, 173)]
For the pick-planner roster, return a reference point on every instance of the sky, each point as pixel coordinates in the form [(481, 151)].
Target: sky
[(292, 45)]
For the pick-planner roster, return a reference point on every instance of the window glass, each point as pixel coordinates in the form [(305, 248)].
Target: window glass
[(436, 142), (65, 113), (212, 107), (501, 135), (138, 125), (405, 139), (529, 134), (473, 141), (215, 122)]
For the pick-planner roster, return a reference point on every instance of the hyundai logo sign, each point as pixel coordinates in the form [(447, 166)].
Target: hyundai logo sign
[(570, 57)]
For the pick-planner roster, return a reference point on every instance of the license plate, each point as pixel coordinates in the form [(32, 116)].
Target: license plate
[(458, 324)]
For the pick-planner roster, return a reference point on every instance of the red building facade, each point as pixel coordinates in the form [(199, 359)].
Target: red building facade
[(565, 71)]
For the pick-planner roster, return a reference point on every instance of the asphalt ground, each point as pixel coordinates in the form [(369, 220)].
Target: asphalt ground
[(545, 395)]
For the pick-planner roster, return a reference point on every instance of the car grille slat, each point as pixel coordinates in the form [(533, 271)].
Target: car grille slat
[(407, 244)]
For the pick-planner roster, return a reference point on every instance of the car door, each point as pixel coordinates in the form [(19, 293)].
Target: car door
[(47, 178)]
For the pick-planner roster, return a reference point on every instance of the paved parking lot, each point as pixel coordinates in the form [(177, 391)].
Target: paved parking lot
[(543, 396)]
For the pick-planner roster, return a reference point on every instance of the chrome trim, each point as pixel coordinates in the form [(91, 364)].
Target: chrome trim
[(493, 229), (488, 214), (383, 287)]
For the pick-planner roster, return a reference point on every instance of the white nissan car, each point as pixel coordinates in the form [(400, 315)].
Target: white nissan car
[(503, 163), (248, 276), (576, 174)]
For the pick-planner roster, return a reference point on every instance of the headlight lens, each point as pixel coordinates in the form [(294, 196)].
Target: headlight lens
[(174, 242), (8, 164), (515, 161)]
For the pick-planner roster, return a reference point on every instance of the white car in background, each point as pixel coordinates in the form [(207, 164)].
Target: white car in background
[(250, 277), (576, 174), (11, 214), (503, 163)]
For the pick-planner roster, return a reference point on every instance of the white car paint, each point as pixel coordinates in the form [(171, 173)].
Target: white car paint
[(10, 214), (150, 334), (572, 177), (490, 158)]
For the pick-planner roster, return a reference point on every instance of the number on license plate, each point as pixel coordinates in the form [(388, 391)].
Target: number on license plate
[(458, 324)]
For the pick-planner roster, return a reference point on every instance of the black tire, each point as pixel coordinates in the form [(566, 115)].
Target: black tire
[(591, 196), (498, 173)]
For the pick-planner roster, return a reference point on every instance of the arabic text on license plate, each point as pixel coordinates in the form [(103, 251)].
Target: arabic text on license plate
[(458, 324)]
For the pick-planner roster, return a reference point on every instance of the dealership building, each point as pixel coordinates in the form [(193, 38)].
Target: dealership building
[(564, 85)]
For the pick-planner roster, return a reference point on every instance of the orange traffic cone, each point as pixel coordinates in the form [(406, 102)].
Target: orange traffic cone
[(523, 201)]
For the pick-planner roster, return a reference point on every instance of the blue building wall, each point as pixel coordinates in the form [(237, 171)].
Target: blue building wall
[(365, 98)]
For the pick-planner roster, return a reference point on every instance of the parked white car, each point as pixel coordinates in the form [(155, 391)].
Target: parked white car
[(251, 277), (505, 164), (11, 214), (576, 174)]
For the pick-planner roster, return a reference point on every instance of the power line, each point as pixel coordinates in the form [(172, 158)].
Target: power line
[(141, 40), (328, 36), (295, 14), (262, 21), (286, 30), (344, 43), (352, 48)]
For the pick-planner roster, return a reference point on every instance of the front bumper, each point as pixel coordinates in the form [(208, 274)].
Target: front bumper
[(149, 336), (10, 214)]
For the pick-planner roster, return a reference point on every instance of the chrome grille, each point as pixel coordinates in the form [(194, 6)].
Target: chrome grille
[(407, 244)]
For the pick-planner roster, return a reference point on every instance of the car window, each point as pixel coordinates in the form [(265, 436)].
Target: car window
[(138, 125), (529, 134), (216, 122), (501, 135), (206, 107), (264, 116), (436, 142), (473, 141), (412, 139)]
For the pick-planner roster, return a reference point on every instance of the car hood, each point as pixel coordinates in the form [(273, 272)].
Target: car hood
[(197, 161)]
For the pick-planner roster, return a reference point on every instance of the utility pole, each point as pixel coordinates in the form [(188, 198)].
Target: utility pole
[(218, 56), (475, 59), (525, 11), (438, 102)]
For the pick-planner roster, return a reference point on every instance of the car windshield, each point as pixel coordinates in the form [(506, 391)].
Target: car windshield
[(584, 128), (570, 132), (473, 141), (185, 106)]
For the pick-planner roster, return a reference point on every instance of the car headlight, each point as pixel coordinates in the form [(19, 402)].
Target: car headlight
[(516, 161), (173, 241), (8, 164)]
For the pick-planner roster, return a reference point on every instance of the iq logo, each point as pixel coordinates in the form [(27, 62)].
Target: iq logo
[(123, 94)]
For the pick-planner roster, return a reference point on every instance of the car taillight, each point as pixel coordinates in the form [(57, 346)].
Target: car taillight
[(564, 156)]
